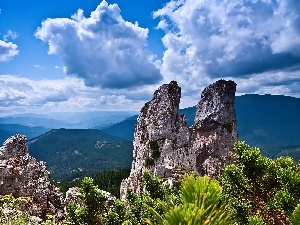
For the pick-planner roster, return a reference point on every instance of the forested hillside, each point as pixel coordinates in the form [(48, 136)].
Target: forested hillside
[(124, 129), (73, 153), (270, 122), (106, 180)]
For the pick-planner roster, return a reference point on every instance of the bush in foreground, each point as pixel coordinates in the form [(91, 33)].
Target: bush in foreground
[(261, 190)]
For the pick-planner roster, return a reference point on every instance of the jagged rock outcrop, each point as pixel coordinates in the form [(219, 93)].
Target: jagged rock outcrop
[(22, 176), (164, 144), (215, 128)]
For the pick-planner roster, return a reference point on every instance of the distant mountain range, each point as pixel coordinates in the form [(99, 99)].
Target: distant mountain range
[(124, 129), (269, 122), (68, 120), (7, 130), (33, 125), (72, 153)]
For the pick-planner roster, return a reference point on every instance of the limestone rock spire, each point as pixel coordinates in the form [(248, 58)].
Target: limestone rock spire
[(164, 144)]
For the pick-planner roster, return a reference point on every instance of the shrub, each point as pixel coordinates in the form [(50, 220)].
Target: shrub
[(92, 207), (259, 187), (10, 213)]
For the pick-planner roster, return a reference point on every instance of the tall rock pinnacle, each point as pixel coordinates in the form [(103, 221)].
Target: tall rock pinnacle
[(164, 144), (215, 128), (160, 138)]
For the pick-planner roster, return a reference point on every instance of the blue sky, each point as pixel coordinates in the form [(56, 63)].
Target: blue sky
[(111, 55)]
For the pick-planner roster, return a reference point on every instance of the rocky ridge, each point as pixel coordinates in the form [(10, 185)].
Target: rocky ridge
[(164, 144), (22, 176)]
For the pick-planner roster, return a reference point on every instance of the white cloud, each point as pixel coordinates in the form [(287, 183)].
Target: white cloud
[(210, 39), (20, 94), (26, 92), (10, 34), (282, 82), (103, 49), (41, 67), (7, 51)]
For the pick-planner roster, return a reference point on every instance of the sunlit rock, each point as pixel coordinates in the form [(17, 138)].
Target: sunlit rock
[(165, 145), (22, 176)]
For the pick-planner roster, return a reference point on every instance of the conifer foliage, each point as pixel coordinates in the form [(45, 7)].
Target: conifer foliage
[(261, 190), (200, 204)]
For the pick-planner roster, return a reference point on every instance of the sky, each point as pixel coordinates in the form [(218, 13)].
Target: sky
[(88, 55)]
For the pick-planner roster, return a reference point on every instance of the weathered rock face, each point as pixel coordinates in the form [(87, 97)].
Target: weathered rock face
[(215, 128), (23, 176), (164, 144), (161, 137)]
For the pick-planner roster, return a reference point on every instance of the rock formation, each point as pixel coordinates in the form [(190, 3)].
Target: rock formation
[(164, 144), (22, 176), (215, 128)]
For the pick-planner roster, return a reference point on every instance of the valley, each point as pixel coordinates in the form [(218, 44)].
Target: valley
[(73, 153)]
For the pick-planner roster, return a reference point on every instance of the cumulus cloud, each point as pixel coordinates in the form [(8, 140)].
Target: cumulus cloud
[(281, 82), (20, 94), (7, 51), (25, 92), (209, 39), (103, 49)]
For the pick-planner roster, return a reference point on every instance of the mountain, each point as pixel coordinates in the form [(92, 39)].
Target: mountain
[(33, 121), (70, 120), (270, 122), (4, 134), (292, 151), (7, 130), (72, 153), (33, 125), (124, 129)]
